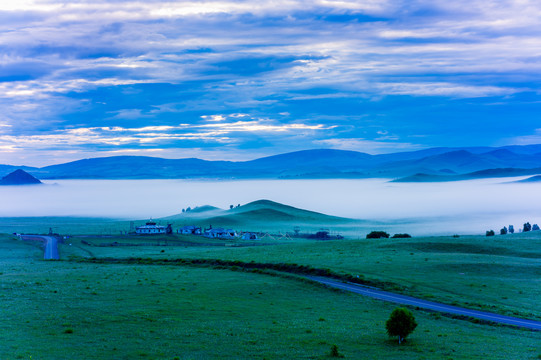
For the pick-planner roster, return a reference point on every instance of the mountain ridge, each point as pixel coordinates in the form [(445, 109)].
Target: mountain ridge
[(304, 164)]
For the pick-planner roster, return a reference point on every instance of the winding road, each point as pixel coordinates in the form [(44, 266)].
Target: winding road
[(407, 300), (51, 245)]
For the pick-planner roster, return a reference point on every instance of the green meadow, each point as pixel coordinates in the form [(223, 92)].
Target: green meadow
[(70, 309), (74, 308), (500, 274)]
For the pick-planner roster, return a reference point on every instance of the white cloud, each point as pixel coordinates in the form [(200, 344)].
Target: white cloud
[(443, 89), (526, 139), (449, 49), (368, 146)]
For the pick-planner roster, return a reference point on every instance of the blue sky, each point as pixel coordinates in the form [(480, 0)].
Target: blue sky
[(237, 80)]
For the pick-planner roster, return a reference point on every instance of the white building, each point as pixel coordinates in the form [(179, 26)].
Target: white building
[(250, 236), (150, 228), (221, 233), (187, 230)]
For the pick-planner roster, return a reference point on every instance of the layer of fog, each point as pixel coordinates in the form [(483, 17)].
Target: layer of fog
[(421, 208)]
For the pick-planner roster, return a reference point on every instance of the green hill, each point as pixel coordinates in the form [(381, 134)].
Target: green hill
[(258, 215)]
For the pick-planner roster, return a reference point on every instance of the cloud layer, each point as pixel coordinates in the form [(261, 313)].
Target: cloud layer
[(238, 79)]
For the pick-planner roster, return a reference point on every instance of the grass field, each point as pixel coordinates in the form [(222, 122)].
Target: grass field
[(71, 309), (66, 310), (500, 274)]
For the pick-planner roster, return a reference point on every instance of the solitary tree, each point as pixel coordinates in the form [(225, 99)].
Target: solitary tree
[(527, 227), (535, 227), (503, 231), (401, 323), (401, 236), (490, 233), (377, 235), (511, 229)]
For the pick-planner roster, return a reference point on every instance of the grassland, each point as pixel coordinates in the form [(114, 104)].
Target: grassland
[(66, 310), (500, 274), (73, 309)]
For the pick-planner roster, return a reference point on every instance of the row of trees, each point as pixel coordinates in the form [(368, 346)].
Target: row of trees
[(525, 228), (383, 234)]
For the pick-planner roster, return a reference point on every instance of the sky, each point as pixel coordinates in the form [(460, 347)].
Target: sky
[(238, 80)]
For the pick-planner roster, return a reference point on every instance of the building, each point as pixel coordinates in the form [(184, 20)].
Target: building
[(151, 228), (221, 233), (190, 230), (250, 236)]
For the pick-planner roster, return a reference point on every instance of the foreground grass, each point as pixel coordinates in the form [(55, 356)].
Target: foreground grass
[(66, 310), (500, 274)]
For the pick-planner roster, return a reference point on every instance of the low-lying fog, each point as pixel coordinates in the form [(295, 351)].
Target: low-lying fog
[(421, 208)]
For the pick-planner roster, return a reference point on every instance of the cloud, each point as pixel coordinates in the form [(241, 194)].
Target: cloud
[(129, 64), (526, 139), (443, 89), (369, 146), (162, 136)]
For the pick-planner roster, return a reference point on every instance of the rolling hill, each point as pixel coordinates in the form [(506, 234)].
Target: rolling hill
[(261, 214)]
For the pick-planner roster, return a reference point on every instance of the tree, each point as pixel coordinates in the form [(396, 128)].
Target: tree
[(377, 235), (527, 227), (231, 207), (401, 236), (535, 227), (511, 229), (503, 231), (401, 323), (490, 233)]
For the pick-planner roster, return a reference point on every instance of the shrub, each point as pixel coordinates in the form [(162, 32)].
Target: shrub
[(401, 236), (377, 235), (335, 353), (401, 323)]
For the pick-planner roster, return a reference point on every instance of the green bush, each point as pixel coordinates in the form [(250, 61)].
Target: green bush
[(335, 353), (401, 236), (401, 323), (377, 235)]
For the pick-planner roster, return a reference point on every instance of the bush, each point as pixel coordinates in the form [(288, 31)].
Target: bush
[(377, 235), (401, 236), (401, 323), (335, 353)]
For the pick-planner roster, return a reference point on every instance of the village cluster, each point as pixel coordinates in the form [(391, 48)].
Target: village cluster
[(151, 228)]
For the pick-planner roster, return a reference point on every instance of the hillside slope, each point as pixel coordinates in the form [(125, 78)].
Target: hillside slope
[(257, 215)]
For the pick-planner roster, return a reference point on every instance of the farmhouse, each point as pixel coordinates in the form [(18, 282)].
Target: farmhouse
[(250, 236), (187, 230), (221, 233), (152, 228)]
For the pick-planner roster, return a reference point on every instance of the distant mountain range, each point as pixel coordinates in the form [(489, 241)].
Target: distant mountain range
[(435, 164)]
